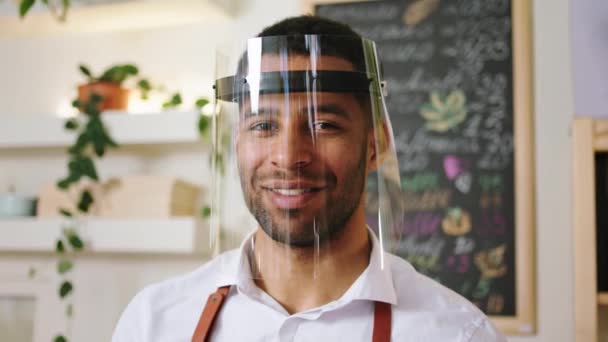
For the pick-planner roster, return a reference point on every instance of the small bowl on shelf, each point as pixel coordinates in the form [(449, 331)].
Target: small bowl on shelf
[(13, 205)]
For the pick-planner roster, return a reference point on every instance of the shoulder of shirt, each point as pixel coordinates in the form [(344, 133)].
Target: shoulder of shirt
[(134, 323), (198, 283), (417, 292)]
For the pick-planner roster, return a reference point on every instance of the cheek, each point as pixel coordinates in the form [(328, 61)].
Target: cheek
[(341, 159), (249, 156)]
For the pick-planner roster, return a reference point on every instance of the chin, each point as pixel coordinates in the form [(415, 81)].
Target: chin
[(298, 234)]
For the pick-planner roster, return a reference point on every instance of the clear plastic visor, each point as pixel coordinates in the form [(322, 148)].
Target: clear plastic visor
[(304, 162)]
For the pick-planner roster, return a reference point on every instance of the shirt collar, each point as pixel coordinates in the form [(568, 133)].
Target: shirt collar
[(374, 284)]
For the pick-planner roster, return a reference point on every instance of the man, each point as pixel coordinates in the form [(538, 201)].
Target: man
[(310, 127)]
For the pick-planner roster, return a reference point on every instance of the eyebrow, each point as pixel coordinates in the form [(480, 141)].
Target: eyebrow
[(330, 108)]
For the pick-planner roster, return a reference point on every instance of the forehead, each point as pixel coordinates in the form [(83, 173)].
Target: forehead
[(275, 62), (298, 102)]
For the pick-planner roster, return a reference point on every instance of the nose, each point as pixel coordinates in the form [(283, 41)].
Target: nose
[(293, 147)]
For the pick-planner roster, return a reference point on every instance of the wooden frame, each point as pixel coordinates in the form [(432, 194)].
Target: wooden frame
[(524, 322), (588, 137)]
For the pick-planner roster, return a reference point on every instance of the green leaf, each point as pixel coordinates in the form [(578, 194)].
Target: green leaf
[(91, 109), (76, 104), (97, 135), (145, 87), (31, 273), (202, 102), (75, 240), (119, 73), (71, 124), (95, 98), (65, 183), (130, 69), (203, 124), (206, 212), (64, 266), (100, 148), (173, 102), (59, 247), (144, 84), (65, 289), (69, 311), (60, 338), (65, 212), (83, 166), (80, 144), (24, 7), (86, 71), (86, 199)]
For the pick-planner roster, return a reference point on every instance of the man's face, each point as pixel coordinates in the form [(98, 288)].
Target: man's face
[(303, 158)]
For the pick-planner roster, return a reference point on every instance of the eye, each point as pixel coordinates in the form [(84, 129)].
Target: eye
[(324, 126), (263, 126)]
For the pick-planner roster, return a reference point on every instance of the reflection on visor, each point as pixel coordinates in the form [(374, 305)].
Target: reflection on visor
[(234, 87)]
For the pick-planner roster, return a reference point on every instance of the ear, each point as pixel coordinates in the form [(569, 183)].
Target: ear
[(377, 142), (372, 155)]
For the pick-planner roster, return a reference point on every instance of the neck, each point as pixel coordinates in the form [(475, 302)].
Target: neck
[(304, 278)]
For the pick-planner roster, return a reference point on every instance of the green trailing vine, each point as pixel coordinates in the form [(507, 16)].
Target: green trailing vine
[(92, 142)]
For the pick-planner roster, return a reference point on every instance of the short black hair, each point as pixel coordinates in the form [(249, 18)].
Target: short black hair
[(308, 24), (338, 39)]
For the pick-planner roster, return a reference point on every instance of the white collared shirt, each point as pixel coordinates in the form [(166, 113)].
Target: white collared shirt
[(423, 310)]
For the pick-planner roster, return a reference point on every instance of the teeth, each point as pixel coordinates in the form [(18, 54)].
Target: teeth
[(291, 192)]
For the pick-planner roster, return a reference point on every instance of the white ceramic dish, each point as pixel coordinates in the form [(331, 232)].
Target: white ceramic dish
[(12, 205)]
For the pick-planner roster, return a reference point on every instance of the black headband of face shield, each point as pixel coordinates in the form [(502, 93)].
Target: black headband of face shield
[(233, 88)]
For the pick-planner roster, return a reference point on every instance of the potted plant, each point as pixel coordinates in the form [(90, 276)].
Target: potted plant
[(110, 86)]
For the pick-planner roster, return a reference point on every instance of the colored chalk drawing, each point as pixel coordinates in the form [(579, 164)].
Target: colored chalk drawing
[(491, 262), (443, 113), (456, 222)]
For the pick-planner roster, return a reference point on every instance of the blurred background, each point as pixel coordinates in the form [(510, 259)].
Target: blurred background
[(86, 223)]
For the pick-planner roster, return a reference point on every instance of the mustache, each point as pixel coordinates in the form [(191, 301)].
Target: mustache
[(300, 175)]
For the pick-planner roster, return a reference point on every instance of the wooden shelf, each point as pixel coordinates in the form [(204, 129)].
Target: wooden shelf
[(114, 16), (179, 235), (602, 298), (162, 128)]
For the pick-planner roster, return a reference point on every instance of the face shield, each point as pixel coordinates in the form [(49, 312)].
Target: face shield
[(303, 149)]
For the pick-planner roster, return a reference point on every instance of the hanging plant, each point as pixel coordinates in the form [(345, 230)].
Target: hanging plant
[(92, 142)]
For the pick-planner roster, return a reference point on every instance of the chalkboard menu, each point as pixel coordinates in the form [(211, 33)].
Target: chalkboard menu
[(449, 67), (601, 203)]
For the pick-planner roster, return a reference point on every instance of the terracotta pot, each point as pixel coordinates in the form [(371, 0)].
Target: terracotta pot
[(114, 97)]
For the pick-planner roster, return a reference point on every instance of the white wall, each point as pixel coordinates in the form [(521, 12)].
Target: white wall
[(181, 58), (590, 57)]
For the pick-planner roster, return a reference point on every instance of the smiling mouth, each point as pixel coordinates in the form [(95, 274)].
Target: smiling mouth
[(290, 198), (292, 192)]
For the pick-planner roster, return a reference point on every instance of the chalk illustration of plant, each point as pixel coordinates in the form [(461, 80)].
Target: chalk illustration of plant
[(456, 222), (444, 112)]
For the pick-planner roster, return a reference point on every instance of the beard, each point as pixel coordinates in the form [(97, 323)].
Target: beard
[(300, 227)]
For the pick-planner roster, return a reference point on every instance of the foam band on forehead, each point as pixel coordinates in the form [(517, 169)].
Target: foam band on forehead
[(233, 88)]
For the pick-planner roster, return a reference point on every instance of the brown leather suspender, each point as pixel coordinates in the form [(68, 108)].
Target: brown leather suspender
[(382, 318), (213, 306), (382, 322)]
